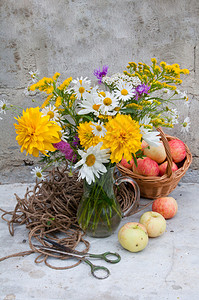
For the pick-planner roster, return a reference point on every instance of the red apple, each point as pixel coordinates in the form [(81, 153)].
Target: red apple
[(166, 206), (178, 151), (156, 153), (146, 166), (126, 164), (163, 168)]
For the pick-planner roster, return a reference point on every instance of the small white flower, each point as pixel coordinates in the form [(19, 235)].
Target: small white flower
[(37, 172), (172, 116), (109, 103), (51, 111), (124, 91), (3, 106), (186, 125), (98, 129), (81, 85), (65, 135), (34, 75), (92, 162)]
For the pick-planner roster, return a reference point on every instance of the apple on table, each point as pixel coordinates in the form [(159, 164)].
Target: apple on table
[(154, 222), (166, 206), (133, 236)]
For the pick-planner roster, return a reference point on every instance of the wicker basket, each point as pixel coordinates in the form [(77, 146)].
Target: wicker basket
[(153, 187)]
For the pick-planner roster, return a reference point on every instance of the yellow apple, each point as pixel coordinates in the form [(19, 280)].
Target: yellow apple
[(154, 222), (133, 236), (156, 153)]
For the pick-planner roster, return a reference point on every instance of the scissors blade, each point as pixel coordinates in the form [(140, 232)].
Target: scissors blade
[(58, 251), (63, 247)]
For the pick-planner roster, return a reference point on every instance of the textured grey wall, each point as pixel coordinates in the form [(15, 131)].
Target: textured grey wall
[(75, 37)]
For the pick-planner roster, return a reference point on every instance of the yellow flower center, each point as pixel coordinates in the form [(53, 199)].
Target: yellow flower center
[(107, 101), (96, 106), (123, 137), (80, 81), (99, 128), (90, 160), (81, 89), (103, 94), (88, 135), (124, 92), (39, 174), (51, 114)]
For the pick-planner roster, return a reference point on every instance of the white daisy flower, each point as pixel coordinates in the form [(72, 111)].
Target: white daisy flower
[(3, 106), (99, 129), (92, 162), (37, 172), (51, 111), (65, 135), (124, 91), (109, 103), (186, 125), (90, 104), (81, 85), (34, 75)]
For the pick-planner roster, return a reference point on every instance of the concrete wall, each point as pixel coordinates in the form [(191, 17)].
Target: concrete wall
[(75, 37)]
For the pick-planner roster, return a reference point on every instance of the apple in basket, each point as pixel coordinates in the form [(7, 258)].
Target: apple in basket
[(154, 222), (166, 206), (146, 166), (126, 164), (133, 236), (156, 153), (163, 167), (178, 151)]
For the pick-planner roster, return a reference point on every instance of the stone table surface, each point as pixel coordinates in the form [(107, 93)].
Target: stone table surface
[(168, 268)]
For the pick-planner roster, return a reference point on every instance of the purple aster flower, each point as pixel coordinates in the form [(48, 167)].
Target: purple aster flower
[(100, 74), (141, 89), (66, 149), (75, 142)]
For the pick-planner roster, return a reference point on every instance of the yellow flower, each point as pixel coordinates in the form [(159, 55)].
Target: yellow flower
[(56, 75), (123, 137), (134, 106), (86, 136), (58, 101), (46, 102), (35, 133), (65, 84)]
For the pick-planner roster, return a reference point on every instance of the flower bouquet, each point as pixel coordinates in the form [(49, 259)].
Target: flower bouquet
[(93, 127)]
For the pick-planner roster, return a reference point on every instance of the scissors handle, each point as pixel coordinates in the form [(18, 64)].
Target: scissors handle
[(105, 255), (94, 270)]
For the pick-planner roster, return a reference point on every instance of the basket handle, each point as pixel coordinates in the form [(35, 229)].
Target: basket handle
[(167, 150)]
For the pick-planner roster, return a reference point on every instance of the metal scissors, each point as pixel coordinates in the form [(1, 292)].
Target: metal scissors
[(64, 250)]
